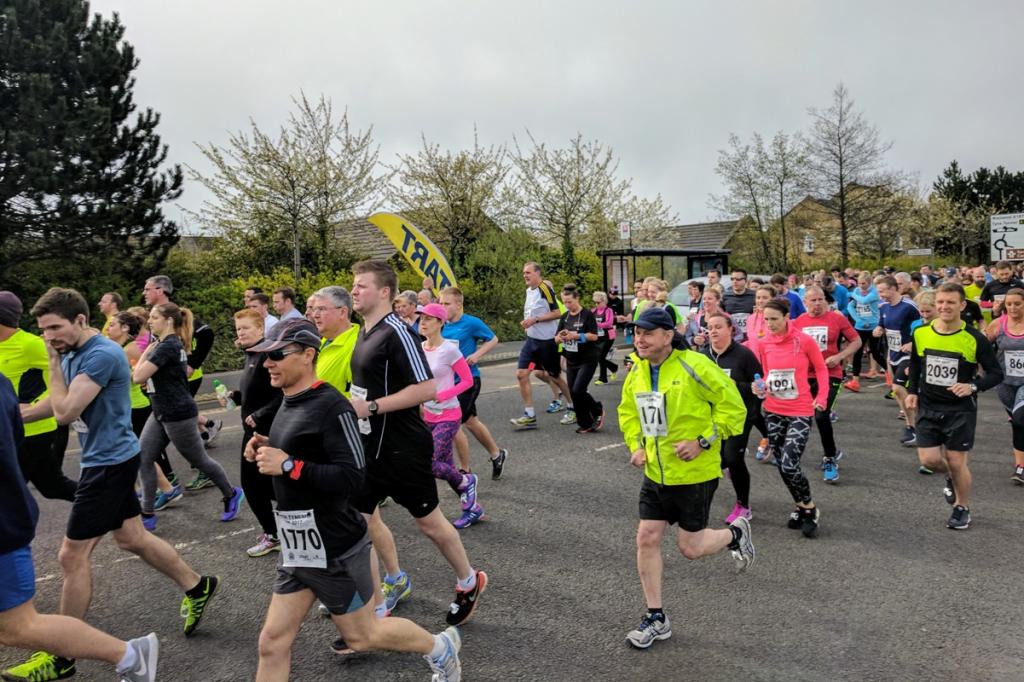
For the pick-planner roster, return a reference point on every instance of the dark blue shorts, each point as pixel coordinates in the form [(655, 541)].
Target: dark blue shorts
[(19, 578), (540, 354)]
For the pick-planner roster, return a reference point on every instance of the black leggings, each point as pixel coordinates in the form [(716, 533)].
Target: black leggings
[(1008, 395), (578, 377), (824, 418), (258, 488), (41, 458), (874, 345), (605, 363), (788, 437), (733, 450)]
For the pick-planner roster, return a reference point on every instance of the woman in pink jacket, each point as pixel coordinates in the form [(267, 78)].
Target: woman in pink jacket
[(605, 317), (788, 357)]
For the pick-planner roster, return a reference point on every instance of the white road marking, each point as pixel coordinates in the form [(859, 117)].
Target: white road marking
[(609, 447)]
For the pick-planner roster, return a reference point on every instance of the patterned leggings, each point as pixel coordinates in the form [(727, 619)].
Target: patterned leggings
[(788, 438), (442, 467)]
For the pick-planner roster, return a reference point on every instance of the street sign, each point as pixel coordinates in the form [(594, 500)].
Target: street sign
[(1007, 236), (919, 252), (624, 230)]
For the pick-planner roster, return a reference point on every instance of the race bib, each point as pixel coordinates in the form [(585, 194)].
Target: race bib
[(940, 371), (600, 333), (1014, 360), (728, 371), (895, 340), (819, 334), (80, 426), (571, 346), (740, 320), (359, 393), (302, 546), (862, 309), (781, 383), (651, 406), (998, 298), (150, 387)]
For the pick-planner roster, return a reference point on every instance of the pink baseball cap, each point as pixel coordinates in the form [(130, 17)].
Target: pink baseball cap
[(435, 310)]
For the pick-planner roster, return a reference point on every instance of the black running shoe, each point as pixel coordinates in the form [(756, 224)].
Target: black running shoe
[(948, 492), (961, 518), (192, 608), (809, 522), (794, 521), (498, 464), (466, 601)]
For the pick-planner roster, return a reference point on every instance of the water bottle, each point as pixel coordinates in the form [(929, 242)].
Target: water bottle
[(759, 384), (223, 395)]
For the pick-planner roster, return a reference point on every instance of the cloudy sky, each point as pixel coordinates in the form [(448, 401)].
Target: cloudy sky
[(663, 83)]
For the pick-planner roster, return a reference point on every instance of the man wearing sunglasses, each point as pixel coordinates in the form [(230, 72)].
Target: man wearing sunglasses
[(315, 456), (739, 301)]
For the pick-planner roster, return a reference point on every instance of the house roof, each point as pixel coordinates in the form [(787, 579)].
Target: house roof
[(699, 236), (362, 239)]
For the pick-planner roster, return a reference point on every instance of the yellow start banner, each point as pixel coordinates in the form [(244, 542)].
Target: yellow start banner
[(416, 248)]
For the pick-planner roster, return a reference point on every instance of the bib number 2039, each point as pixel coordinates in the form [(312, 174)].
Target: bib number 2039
[(302, 546), (651, 406)]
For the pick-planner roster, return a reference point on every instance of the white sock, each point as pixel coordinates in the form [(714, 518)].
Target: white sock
[(439, 647), (529, 412), (468, 583), (129, 660)]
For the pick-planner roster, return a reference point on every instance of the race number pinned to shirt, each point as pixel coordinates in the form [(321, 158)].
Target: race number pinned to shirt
[(894, 339), (571, 346), (820, 336), (651, 406), (940, 370), (781, 383), (862, 309), (302, 546), (740, 320), (359, 393), (80, 426), (1014, 360)]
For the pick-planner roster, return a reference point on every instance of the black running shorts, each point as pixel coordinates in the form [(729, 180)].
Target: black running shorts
[(406, 477), (345, 586), (467, 400), (104, 500), (955, 430), (540, 354), (687, 505)]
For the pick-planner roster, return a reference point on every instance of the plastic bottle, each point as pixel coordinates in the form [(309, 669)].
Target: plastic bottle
[(223, 395), (759, 384)]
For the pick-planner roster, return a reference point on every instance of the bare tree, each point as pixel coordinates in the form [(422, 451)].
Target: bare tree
[(783, 167), (845, 155), (748, 194), (454, 196)]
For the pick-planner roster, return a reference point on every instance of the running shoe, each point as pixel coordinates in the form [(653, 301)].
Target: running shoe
[(525, 422), (1018, 475), (888, 378), (739, 512), (149, 522), (554, 406), (173, 480), (199, 482), (212, 431), (339, 646), (852, 384), (839, 455), (599, 422), (909, 438), (651, 629), (467, 492), (41, 667), (568, 418), (744, 554), (469, 517), (447, 668), (833, 416), (612, 376), (600, 382), (232, 505), (466, 601), (192, 608), (498, 464), (794, 522), (960, 519), (762, 450), (165, 500), (395, 591), (323, 611), (891, 395), (809, 520), (922, 469), (147, 649), (831, 470), (264, 546), (948, 491)]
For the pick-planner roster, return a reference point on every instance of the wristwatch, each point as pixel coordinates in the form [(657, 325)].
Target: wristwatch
[(703, 442), (287, 466), (372, 407), (974, 387)]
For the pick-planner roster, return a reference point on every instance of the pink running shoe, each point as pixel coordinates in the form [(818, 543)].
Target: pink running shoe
[(739, 511)]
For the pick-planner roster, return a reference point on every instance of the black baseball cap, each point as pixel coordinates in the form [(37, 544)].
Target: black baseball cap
[(286, 332), (653, 318)]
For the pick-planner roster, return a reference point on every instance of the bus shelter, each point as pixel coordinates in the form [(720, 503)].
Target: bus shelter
[(621, 267)]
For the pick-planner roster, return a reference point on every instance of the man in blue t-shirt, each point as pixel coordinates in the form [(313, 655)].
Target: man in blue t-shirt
[(89, 381), (781, 286), (475, 340), (895, 317)]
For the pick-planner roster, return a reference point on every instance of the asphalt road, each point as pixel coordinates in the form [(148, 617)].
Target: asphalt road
[(886, 592)]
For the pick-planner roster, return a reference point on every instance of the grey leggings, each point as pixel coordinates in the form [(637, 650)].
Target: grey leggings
[(185, 436)]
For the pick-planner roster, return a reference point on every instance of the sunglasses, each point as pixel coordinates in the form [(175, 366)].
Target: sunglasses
[(279, 355)]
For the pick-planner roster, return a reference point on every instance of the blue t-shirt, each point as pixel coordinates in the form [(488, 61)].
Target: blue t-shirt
[(655, 372), (896, 320), (109, 438), (468, 332), (796, 306), (841, 295)]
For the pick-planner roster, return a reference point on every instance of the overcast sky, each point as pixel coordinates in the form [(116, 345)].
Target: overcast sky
[(663, 83)]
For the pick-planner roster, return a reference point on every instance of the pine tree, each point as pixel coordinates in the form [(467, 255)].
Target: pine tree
[(81, 183)]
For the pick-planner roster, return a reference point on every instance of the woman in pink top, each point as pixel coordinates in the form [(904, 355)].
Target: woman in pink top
[(788, 356), (443, 414), (605, 317), (756, 329)]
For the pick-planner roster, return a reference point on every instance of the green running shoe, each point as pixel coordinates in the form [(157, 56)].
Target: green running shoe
[(192, 608), (41, 667)]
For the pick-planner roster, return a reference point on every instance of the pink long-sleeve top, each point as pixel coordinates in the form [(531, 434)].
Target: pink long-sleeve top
[(446, 362), (756, 330), (788, 360), (605, 317)]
